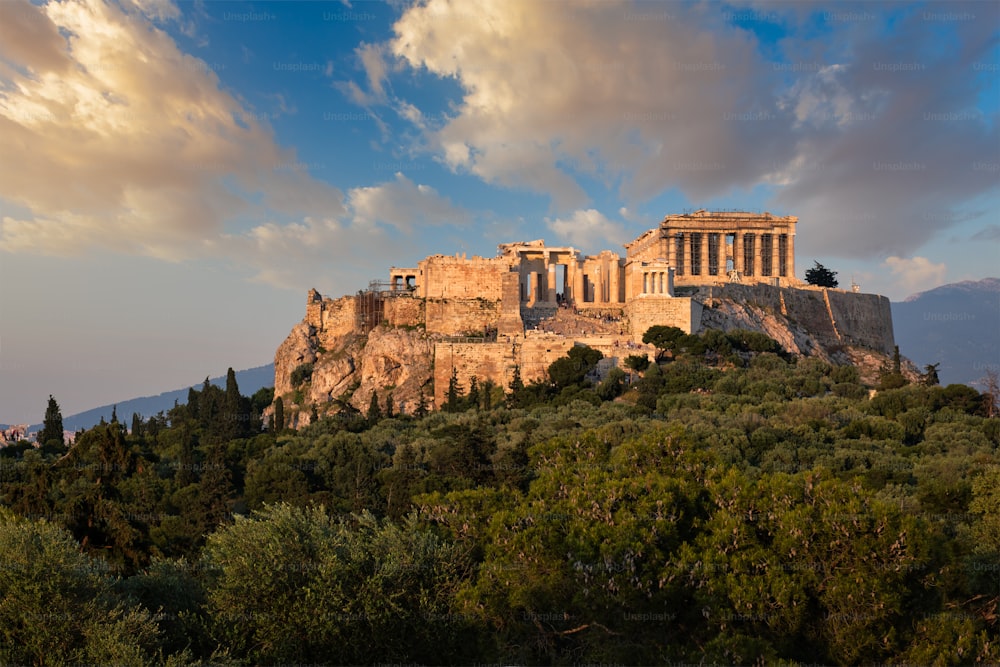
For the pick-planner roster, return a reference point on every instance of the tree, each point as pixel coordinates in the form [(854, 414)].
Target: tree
[(296, 585), (60, 606), (573, 368), (637, 362), (52, 427), (279, 415), (931, 374), (454, 395), (421, 410), (516, 389), (663, 338), (374, 415), (473, 397), (821, 276)]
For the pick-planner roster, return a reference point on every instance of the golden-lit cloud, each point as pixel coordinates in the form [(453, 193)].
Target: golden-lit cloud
[(611, 89), (868, 133), (112, 137)]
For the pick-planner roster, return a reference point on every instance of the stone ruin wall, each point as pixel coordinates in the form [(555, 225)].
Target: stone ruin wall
[(331, 319), (681, 312), (495, 361), (448, 277), (404, 311), (459, 317), (832, 316)]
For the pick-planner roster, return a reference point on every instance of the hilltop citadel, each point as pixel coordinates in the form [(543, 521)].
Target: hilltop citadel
[(526, 307)]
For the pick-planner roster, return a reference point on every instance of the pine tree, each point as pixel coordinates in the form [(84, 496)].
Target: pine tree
[(114, 414), (388, 406), (136, 424), (931, 375), (821, 276), (52, 427)]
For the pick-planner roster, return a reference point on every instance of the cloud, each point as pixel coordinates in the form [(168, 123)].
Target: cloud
[(589, 229), (871, 135), (114, 138), (916, 274), (602, 90), (403, 204)]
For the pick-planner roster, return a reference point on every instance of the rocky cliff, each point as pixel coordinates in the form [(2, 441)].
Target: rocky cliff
[(345, 350), (348, 365)]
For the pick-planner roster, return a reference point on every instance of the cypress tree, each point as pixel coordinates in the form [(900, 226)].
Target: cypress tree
[(421, 410), (374, 411), (279, 415), (52, 427)]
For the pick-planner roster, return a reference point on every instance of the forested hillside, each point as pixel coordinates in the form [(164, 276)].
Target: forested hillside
[(727, 504)]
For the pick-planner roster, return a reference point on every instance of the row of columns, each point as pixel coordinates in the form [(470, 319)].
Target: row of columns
[(657, 282), (605, 290), (684, 264)]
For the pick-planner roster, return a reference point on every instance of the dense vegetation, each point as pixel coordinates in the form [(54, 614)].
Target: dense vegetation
[(727, 505)]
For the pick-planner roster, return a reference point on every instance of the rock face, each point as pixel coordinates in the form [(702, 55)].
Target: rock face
[(348, 365), (345, 350)]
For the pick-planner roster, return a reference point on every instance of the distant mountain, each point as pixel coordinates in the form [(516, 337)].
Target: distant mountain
[(249, 381), (957, 325)]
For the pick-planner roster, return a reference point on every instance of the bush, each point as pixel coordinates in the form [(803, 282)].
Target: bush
[(302, 373)]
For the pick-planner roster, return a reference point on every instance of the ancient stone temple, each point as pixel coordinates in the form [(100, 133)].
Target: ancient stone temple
[(708, 246)]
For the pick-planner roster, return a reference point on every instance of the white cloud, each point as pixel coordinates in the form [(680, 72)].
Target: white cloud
[(599, 89), (589, 229), (402, 204), (916, 274)]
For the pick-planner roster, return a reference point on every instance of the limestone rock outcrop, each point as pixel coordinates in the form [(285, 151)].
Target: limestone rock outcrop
[(343, 366)]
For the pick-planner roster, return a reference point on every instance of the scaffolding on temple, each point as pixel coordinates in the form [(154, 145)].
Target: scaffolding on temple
[(371, 306)]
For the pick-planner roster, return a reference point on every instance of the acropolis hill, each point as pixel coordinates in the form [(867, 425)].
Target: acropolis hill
[(531, 303)]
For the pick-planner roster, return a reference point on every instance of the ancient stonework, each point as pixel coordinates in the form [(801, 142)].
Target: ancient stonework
[(526, 307)]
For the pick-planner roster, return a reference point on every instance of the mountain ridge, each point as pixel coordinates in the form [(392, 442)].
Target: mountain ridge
[(249, 381)]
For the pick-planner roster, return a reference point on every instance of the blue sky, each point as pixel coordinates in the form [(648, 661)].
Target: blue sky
[(176, 175)]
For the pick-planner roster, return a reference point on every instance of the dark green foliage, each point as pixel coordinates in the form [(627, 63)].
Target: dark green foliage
[(821, 276), (279, 415), (663, 338), (574, 367), (729, 507), (931, 375), (301, 374), (637, 362), (374, 415), (52, 426)]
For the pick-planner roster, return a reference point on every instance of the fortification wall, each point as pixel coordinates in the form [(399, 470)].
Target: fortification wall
[(681, 312), (486, 361), (404, 311), (495, 361), (459, 278), (831, 316), (863, 319), (456, 317)]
